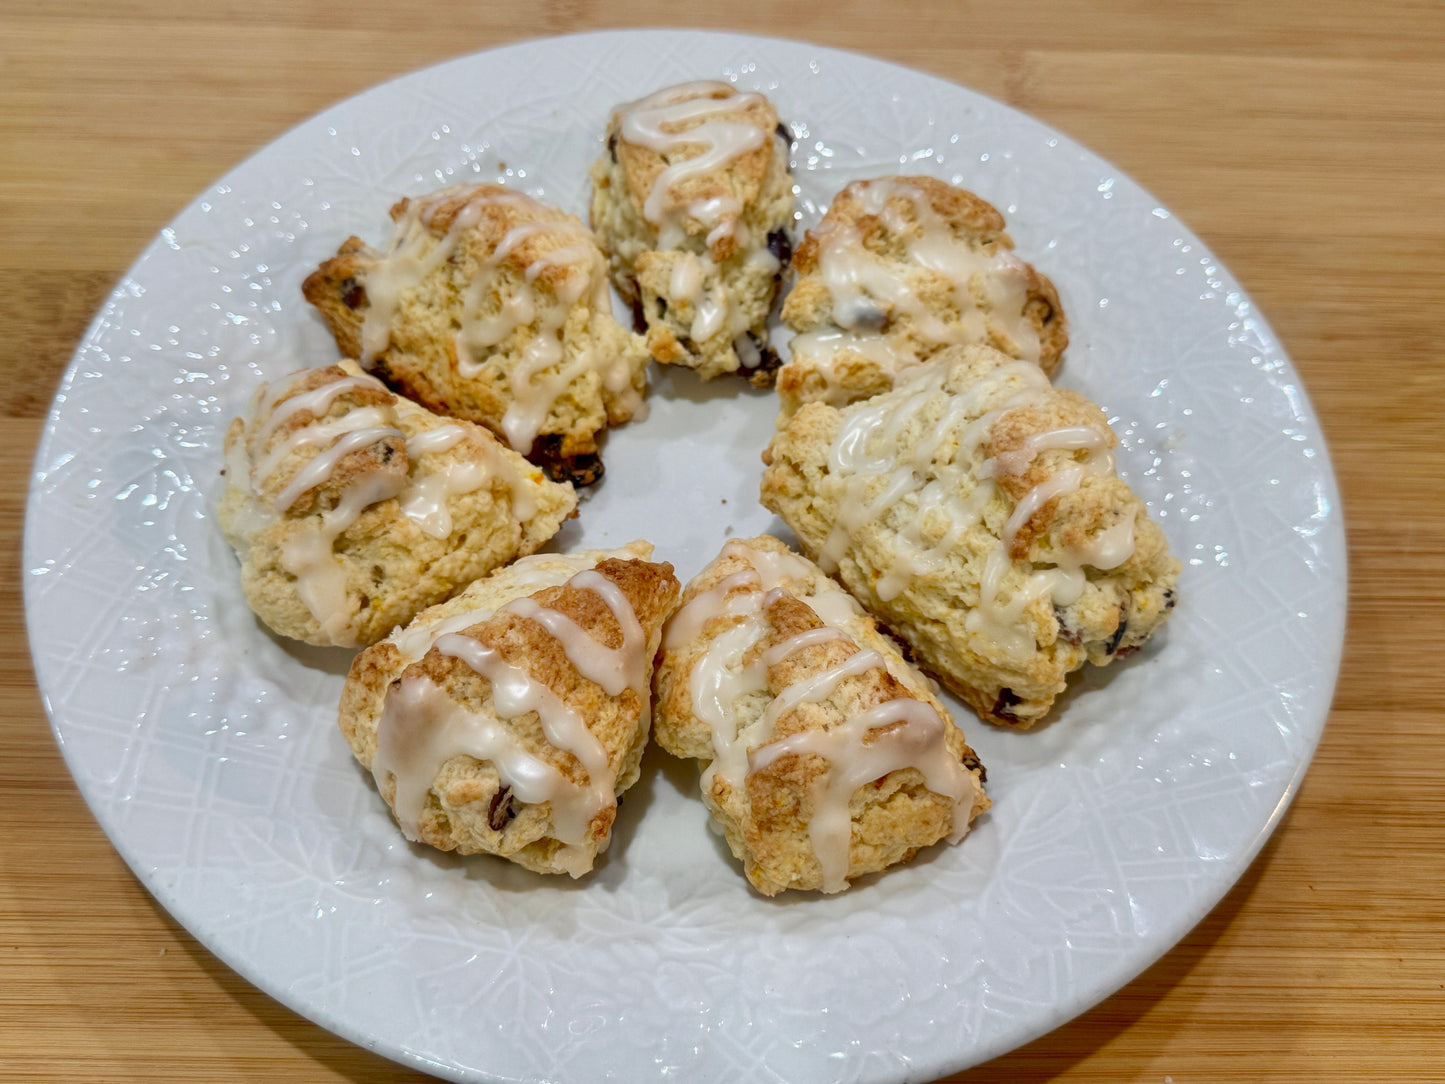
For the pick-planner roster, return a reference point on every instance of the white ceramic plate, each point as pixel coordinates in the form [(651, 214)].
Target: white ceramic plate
[(208, 749)]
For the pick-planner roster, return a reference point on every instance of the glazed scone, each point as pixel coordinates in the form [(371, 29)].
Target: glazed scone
[(491, 306), (508, 720), (899, 268), (975, 512), (352, 510), (827, 756), (693, 203)]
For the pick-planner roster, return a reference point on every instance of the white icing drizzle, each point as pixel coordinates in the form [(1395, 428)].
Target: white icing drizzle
[(865, 290), (775, 568), (1111, 547), (423, 491), (858, 754), (414, 252), (615, 669), (318, 433), (889, 453), (515, 693), (819, 686), (687, 624), (539, 378), (856, 278), (426, 501), (824, 351), (695, 280), (417, 639), (309, 555), (441, 439), (808, 638), (544, 372), (307, 552), (720, 680), (689, 272), (318, 400), (724, 136), (322, 466), (527, 575), (421, 728)]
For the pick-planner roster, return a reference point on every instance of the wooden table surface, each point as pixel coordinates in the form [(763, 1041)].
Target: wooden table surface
[(1304, 141)]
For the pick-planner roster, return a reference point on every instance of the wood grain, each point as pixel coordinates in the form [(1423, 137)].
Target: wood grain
[(1305, 142)]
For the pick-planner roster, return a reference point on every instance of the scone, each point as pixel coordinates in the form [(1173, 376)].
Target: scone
[(491, 306), (975, 512), (352, 510), (508, 720), (693, 203), (899, 268), (828, 757)]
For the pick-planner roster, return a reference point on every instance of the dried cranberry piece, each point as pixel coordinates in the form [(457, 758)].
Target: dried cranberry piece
[(1066, 633), (1112, 647), (1007, 698), (781, 246), (580, 470), (501, 812), (768, 360), (973, 764)]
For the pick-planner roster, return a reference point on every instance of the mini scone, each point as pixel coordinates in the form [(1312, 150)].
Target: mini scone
[(693, 202), (352, 510), (899, 268), (491, 306), (508, 720), (827, 756), (975, 512)]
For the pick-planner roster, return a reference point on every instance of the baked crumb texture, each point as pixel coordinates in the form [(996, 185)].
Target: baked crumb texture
[(826, 755), (491, 306), (352, 509), (693, 203), (898, 269), (508, 720), (975, 512)]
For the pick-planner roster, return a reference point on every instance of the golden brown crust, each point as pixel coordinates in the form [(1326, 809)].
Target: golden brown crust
[(1006, 302), (336, 289), (381, 566), (1007, 437), (767, 811), (385, 456), (1007, 668), (968, 215), (471, 805), (743, 178), (702, 274), (464, 338)]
